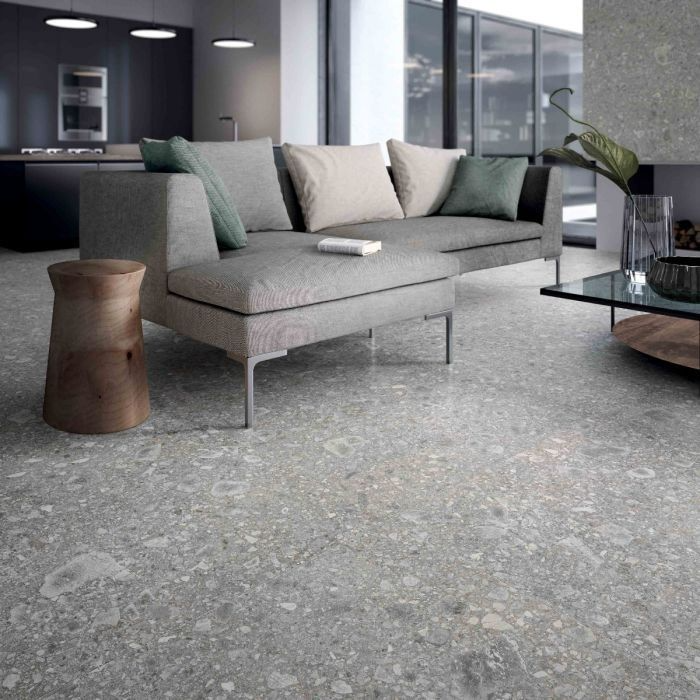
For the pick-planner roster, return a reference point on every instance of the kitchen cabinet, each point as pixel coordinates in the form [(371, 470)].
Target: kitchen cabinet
[(9, 46)]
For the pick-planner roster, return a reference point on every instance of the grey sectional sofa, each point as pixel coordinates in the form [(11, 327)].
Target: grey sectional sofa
[(279, 292)]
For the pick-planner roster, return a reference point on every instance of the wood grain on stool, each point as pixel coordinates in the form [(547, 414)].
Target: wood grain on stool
[(96, 375), (675, 340)]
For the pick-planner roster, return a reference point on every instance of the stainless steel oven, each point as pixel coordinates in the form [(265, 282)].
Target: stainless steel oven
[(82, 103)]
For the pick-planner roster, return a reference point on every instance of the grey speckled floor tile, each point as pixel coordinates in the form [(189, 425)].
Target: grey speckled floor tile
[(523, 524)]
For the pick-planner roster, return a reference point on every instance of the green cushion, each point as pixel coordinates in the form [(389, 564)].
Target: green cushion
[(488, 187), (179, 156)]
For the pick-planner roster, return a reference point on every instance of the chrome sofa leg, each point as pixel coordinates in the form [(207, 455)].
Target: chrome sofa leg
[(249, 364), (557, 263), (448, 331)]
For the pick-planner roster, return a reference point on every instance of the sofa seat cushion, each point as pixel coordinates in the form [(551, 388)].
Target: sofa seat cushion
[(441, 233), (284, 270)]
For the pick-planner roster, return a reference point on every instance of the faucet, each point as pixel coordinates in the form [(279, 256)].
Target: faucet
[(234, 124)]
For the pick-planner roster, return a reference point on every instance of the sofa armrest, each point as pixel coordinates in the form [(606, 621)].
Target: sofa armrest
[(159, 219), (541, 202)]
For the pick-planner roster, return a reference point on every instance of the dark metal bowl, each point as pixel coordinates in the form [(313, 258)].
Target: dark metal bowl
[(676, 277)]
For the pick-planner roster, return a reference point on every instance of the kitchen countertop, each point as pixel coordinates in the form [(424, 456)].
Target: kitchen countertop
[(69, 158)]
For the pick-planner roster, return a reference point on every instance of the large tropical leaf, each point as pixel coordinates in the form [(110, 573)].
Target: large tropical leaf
[(617, 159), (574, 158)]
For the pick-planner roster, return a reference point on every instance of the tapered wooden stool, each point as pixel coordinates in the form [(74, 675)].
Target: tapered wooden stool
[(96, 376)]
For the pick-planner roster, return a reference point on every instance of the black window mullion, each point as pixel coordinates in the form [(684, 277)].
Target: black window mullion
[(537, 97), (449, 74)]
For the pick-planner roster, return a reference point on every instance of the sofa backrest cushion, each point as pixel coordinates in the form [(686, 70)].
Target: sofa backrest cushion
[(487, 187), (339, 185), (422, 176), (248, 170), (177, 155)]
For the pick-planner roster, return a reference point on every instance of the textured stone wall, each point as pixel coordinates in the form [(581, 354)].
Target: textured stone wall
[(642, 75)]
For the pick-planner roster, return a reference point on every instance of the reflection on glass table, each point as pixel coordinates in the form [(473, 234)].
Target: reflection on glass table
[(675, 339)]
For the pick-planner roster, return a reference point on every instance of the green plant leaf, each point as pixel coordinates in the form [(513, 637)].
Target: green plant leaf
[(617, 159), (574, 158), (570, 139)]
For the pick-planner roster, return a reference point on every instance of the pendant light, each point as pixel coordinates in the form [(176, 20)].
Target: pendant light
[(153, 31), (233, 41), (71, 21)]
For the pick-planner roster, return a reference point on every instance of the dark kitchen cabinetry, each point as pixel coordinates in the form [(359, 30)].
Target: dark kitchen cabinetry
[(9, 47), (149, 83), (172, 87), (130, 79), (38, 80)]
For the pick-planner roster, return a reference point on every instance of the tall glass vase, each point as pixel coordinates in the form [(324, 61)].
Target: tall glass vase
[(647, 234)]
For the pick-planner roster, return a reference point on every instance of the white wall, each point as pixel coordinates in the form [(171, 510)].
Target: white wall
[(610, 202), (558, 14), (377, 71), (299, 71), (243, 83), (177, 12)]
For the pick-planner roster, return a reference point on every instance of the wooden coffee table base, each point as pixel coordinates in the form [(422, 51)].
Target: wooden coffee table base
[(675, 340)]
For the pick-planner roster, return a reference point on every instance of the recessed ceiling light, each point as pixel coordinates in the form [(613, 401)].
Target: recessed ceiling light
[(233, 42)]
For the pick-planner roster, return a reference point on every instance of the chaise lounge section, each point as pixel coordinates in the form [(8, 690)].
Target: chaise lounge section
[(256, 303)]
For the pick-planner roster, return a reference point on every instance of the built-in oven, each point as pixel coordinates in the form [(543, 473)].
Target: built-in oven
[(82, 103)]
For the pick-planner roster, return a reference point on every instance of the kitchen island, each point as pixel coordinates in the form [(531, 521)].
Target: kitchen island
[(40, 196)]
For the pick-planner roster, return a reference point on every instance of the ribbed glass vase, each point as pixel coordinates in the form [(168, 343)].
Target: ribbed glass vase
[(647, 234)]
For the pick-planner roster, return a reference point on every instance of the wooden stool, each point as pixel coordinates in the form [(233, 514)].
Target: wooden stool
[(96, 376)]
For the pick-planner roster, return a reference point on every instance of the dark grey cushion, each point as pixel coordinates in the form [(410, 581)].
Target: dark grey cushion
[(249, 172), (284, 270), (442, 233)]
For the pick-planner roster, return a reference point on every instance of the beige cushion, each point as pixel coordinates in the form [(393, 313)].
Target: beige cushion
[(338, 185), (422, 176)]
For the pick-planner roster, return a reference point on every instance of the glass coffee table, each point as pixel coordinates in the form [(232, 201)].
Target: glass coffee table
[(670, 330)]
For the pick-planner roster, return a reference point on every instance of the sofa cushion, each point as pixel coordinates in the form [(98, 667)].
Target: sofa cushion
[(279, 270), (339, 185), (442, 233), (422, 176), (488, 187), (178, 156), (248, 170)]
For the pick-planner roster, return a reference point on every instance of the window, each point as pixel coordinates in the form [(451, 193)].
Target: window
[(424, 74), (562, 66), (465, 81), (507, 76)]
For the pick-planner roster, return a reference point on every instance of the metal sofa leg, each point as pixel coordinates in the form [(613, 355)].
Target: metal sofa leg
[(557, 262), (448, 331), (371, 332), (249, 364)]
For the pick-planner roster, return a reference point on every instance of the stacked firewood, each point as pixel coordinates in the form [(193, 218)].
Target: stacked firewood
[(687, 234)]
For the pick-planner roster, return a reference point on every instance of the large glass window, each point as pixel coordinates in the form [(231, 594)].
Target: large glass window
[(465, 81), (424, 74), (507, 88), (562, 66)]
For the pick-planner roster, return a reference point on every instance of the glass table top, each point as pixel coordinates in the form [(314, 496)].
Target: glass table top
[(614, 289)]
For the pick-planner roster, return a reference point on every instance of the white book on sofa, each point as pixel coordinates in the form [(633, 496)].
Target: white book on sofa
[(349, 246)]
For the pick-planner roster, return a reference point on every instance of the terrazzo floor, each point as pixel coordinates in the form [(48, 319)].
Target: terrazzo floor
[(522, 524)]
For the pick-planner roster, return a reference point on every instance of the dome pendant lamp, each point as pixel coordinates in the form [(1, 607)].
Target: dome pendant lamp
[(71, 21), (154, 31), (233, 41)]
